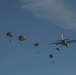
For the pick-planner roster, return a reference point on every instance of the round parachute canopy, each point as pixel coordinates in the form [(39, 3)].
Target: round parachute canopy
[(51, 56), (21, 38), (37, 44), (10, 34), (57, 49)]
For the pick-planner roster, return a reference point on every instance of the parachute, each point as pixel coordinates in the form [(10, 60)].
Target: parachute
[(9, 34), (58, 50), (37, 44), (51, 56), (21, 38)]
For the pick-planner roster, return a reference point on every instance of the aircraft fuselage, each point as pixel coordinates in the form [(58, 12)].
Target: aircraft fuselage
[(65, 43)]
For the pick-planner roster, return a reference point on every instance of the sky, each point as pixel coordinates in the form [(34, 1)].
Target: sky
[(40, 21)]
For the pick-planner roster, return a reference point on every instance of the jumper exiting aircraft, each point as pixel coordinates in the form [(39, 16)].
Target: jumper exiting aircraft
[(64, 42)]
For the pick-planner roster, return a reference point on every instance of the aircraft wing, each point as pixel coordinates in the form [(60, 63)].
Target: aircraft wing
[(55, 43), (70, 41)]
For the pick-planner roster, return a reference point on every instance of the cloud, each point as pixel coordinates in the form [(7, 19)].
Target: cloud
[(56, 11)]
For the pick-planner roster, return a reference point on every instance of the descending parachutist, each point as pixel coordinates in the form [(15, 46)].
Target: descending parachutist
[(9, 34), (58, 50), (21, 38)]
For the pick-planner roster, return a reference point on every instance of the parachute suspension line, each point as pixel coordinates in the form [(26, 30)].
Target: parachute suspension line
[(9, 41), (59, 52), (21, 44)]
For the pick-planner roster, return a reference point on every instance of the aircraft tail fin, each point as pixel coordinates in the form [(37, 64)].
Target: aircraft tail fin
[(62, 37)]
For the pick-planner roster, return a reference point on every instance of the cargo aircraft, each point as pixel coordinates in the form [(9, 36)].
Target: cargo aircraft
[(64, 42)]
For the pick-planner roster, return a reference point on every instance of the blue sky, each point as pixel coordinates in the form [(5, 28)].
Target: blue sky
[(41, 21)]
